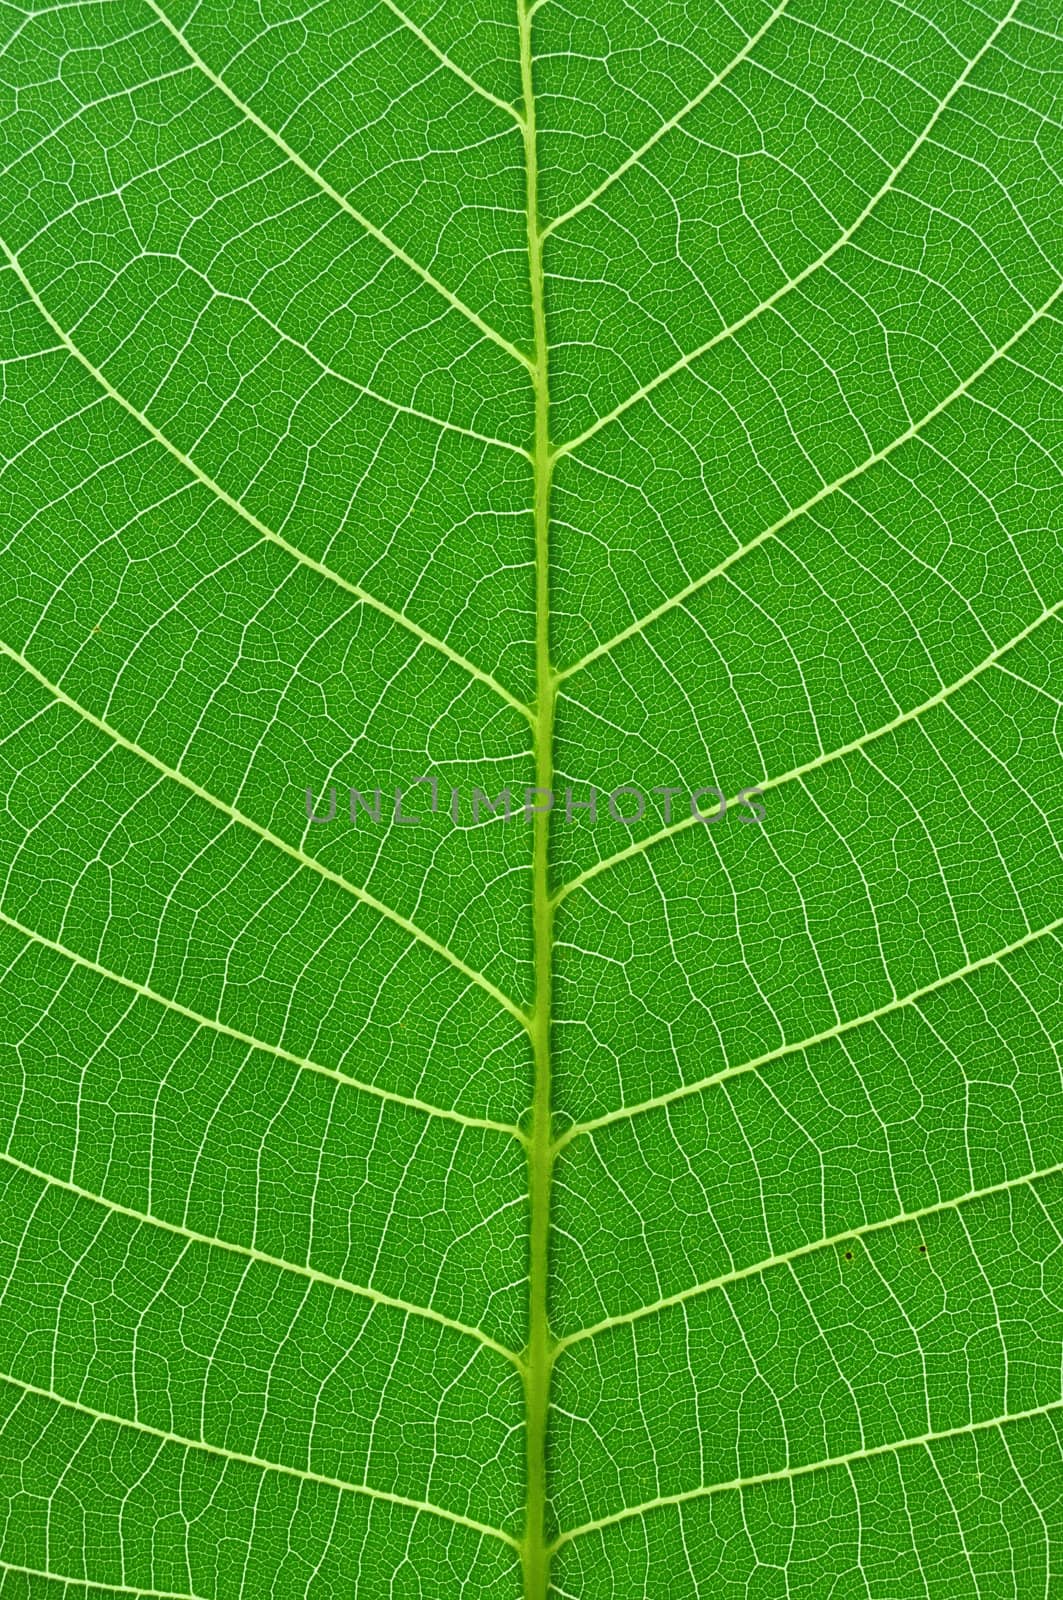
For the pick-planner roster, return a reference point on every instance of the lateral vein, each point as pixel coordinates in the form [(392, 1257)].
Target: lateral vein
[(459, 72), (249, 516), (786, 1473), (636, 156), (410, 1102), (106, 1585), (323, 184), (273, 839), (623, 1113), (263, 1465), (642, 845), (913, 432), (813, 266), (784, 1258), (251, 1253)]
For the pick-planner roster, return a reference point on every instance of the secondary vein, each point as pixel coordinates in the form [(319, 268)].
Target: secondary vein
[(785, 1257), (201, 1020), (912, 715), (682, 1091), (636, 628), (106, 1586), (341, 200), (177, 776), (264, 1258), (242, 511), (692, 104), (784, 1474), (459, 72), (791, 283), (165, 1436)]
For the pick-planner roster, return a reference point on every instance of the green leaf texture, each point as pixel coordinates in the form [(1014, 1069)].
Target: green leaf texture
[(586, 392)]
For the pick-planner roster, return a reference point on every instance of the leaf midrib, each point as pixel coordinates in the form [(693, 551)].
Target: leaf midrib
[(540, 1353)]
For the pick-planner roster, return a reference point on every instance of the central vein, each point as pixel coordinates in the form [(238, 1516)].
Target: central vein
[(540, 1353)]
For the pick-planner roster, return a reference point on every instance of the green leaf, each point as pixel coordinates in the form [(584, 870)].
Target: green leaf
[(516, 395)]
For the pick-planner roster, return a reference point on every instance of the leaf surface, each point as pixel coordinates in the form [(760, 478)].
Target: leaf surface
[(643, 398)]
